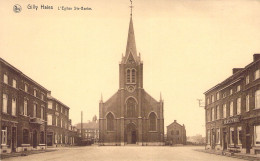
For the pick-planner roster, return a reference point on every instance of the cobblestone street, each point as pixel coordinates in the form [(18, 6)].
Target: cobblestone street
[(126, 153)]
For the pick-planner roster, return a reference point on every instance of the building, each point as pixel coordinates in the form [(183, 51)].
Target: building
[(23, 111), (196, 140), (57, 123), (90, 130), (131, 115), (176, 133), (232, 111)]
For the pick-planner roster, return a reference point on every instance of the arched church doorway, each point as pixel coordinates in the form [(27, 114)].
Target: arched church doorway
[(131, 133)]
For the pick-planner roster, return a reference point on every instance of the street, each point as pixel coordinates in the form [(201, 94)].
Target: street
[(124, 153)]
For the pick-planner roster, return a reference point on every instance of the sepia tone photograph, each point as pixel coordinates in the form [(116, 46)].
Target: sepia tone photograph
[(124, 80)]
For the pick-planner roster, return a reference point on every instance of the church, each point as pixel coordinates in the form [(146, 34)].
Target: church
[(131, 115)]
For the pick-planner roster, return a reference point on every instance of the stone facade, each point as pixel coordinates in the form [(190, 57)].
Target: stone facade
[(131, 115), (176, 133), (232, 111)]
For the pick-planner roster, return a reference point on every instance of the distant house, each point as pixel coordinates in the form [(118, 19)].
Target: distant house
[(90, 130), (197, 139), (176, 133)]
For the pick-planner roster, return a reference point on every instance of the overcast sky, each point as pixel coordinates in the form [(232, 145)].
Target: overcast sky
[(187, 47)]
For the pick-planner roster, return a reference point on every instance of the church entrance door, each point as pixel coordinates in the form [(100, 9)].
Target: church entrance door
[(131, 134)]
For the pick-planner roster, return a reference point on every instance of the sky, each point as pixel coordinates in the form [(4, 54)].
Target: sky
[(187, 47)]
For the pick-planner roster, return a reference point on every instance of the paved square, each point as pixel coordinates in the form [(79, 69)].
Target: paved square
[(124, 153)]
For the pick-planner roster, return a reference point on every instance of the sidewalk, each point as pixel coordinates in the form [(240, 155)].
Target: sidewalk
[(250, 157), (24, 153)]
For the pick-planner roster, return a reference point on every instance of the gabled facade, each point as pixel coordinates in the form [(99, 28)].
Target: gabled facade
[(131, 115), (176, 133)]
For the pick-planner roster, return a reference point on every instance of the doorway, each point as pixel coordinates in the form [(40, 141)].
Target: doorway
[(248, 139), (131, 134), (49, 139), (34, 139), (224, 140), (13, 139)]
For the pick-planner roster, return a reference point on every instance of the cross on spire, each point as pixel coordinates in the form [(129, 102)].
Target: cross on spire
[(131, 7)]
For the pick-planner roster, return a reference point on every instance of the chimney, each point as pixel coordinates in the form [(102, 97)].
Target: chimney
[(235, 70), (256, 57)]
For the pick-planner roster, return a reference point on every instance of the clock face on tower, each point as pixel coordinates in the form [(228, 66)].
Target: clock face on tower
[(130, 88)]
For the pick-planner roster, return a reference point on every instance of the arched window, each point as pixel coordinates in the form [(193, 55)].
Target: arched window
[(152, 121), (128, 73), (131, 106), (25, 136), (133, 75), (110, 122), (257, 99)]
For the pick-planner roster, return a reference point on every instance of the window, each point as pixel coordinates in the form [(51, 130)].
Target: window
[(247, 79), (224, 111), (231, 91), (217, 95), (42, 138), (152, 121), (4, 136), (35, 92), (256, 74), (57, 108), (239, 135), (224, 95), (42, 113), (42, 96), (133, 75), (247, 102), (61, 122), (128, 75), (49, 105), (208, 115), (25, 136), (238, 106), (35, 110), (257, 99), (26, 87), (232, 135), (208, 140), (212, 98), (131, 106), (238, 88), (231, 109), (56, 120), (257, 135), (212, 114), (217, 108), (5, 102), (61, 139), (5, 79), (110, 122), (208, 101), (56, 138), (49, 119), (218, 136), (14, 83), (25, 107), (14, 106)]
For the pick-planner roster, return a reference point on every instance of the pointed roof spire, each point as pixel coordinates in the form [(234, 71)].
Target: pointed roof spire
[(131, 46)]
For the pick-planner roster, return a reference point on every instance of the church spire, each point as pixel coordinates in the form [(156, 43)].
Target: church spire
[(131, 46)]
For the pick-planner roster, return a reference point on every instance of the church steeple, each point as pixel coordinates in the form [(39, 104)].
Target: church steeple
[(131, 52), (131, 46)]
